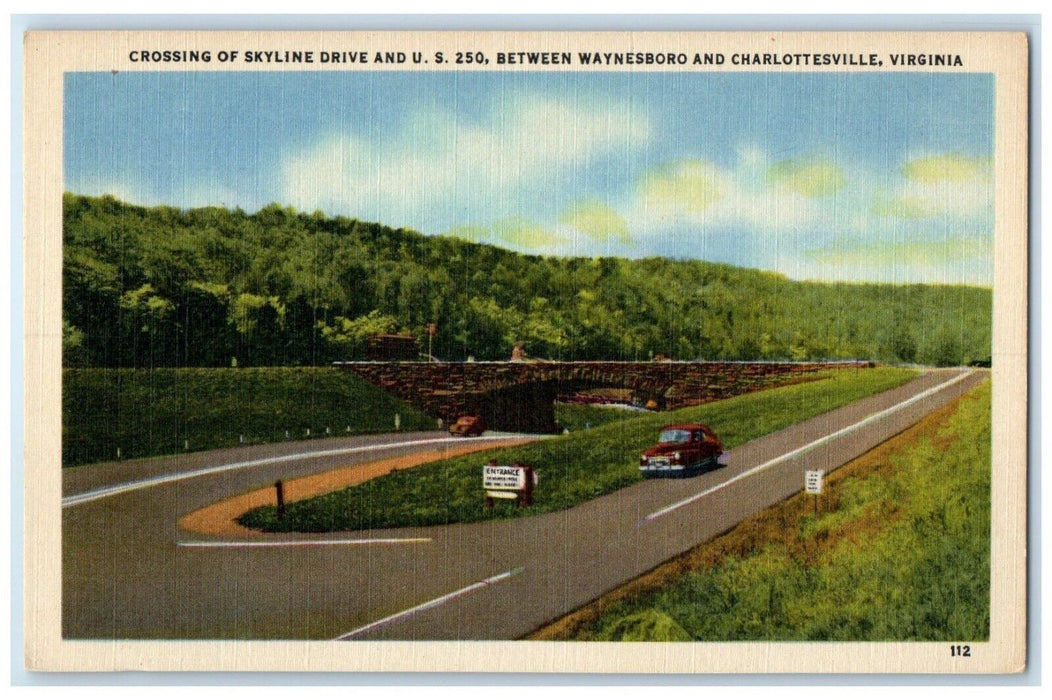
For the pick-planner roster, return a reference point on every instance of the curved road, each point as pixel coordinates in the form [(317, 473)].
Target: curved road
[(129, 572)]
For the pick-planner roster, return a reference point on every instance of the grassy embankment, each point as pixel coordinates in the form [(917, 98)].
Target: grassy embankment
[(900, 551), (572, 469), (577, 417), (164, 411)]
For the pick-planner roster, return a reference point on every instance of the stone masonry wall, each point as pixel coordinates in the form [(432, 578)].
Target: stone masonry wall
[(518, 395)]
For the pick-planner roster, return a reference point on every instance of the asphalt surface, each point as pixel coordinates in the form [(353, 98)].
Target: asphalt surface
[(129, 572)]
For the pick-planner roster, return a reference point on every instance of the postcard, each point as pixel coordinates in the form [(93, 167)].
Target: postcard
[(623, 352)]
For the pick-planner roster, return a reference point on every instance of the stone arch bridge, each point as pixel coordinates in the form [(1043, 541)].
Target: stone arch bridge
[(519, 396)]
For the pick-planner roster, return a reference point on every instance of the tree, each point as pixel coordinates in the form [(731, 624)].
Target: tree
[(903, 345), (161, 286), (946, 349), (347, 338), (207, 332), (146, 313)]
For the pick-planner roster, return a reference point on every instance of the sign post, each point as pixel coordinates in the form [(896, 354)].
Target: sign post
[(432, 330), (280, 488), (813, 484), (515, 481)]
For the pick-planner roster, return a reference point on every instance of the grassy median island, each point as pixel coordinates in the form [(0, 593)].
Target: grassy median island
[(168, 410), (572, 469), (900, 552)]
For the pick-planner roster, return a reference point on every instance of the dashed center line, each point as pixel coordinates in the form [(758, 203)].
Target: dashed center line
[(434, 603)]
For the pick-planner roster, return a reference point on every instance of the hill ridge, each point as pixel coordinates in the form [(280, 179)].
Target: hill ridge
[(161, 286)]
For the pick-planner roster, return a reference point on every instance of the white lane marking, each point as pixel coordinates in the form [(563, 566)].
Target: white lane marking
[(430, 604), (304, 543), (809, 446), (95, 494)]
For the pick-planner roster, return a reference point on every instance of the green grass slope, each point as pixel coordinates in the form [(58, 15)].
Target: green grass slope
[(164, 411)]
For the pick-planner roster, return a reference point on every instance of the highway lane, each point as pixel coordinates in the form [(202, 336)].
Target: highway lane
[(294, 463), (121, 554), (81, 480), (609, 541), (126, 575)]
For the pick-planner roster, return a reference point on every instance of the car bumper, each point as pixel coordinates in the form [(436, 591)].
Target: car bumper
[(663, 468), (652, 470)]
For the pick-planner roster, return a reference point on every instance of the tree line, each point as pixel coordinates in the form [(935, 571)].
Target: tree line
[(213, 287)]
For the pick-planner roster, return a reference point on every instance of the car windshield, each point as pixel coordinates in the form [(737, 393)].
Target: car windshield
[(674, 436)]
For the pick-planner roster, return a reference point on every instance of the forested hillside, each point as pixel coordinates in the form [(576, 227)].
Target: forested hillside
[(151, 287)]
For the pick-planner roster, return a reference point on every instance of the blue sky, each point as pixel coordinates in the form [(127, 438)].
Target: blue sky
[(866, 177)]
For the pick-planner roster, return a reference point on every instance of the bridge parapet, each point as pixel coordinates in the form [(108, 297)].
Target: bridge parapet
[(518, 396)]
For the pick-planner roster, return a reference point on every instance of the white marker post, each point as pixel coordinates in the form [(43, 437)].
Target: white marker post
[(813, 484), (432, 330)]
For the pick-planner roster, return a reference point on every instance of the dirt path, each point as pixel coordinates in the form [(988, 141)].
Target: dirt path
[(221, 518)]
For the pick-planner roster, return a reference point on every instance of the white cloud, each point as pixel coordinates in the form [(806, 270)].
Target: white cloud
[(957, 199), (596, 220), (869, 224), (523, 162), (437, 167), (704, 195), (941, 186), (963, 259)]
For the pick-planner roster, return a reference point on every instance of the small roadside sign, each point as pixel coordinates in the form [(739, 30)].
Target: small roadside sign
[(515, 481), (503, 477), (813, 481)]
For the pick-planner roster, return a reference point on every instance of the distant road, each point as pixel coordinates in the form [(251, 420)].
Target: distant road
[(130, 572)]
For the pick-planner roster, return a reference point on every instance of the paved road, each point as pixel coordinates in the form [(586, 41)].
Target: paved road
[(129, 572)]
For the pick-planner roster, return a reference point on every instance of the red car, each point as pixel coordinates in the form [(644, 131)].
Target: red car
[(467, 426), (682, 450)]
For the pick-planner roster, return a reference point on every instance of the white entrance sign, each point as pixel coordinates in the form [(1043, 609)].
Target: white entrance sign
[(503, 477), (813, 480)]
